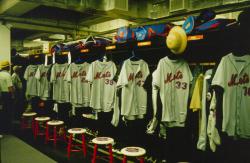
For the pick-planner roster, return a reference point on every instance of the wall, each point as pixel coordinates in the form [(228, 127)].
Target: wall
[(4, 43)]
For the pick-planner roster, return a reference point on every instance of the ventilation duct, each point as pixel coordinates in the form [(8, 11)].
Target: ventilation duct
[(177, 5), (199, 4)]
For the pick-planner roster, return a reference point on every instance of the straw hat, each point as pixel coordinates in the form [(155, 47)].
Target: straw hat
[(4, 64), (177, 40)]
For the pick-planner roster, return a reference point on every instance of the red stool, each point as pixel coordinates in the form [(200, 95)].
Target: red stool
[(103, 141), (133, 152), (40, 121), (76, 131), (26, 119), (54, 137)]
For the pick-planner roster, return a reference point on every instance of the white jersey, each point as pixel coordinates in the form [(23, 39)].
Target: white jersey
[(79, 86), (60, 86), (173, 78), (43, 79), (103, 88), (134, 97), (32, 84), (233, 75), (5, 81)]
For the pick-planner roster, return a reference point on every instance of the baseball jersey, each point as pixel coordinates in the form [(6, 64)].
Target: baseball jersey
[(60, 86), (32, 84), (44, 84), (134, 97), (233, 74), (173, 78), (79, 86), (103, 87)]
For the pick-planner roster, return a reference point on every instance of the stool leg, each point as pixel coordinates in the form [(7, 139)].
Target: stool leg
[(94, 154), (36, 130), (33, 125), (47, 134), (54, 136), (83, 145), (22, 123), (64, 134), (110, 154), (124, 159), (142, 160), (69, 145)]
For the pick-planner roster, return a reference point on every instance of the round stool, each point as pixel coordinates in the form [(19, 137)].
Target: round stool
[(133, 152), (25, 121), (103, 141), (40, 121), (54, 124), (76, 131)]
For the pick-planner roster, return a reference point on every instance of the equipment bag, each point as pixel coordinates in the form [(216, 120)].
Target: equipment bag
[(215, 24), (125, 34)]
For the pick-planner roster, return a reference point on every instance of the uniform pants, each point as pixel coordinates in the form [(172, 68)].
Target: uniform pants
[(104, 125), (6, 118), (134, 132), (63, 113)]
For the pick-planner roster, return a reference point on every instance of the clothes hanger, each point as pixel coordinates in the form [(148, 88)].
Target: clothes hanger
[(134, 57)]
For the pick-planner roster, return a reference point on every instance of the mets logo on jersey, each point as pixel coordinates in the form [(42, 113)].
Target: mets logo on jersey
[(100, 75), (244, 79), (132, 76)]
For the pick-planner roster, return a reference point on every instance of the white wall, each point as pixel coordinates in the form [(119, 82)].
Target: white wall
[(4, 43)]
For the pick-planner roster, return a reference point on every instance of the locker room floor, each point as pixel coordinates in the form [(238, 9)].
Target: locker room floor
[(58, 154)]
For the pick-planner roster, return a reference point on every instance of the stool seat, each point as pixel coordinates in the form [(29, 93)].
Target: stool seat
[(29, 114), (42, 118), (133, 151), (55, 123), (103, 140), (77, 131)]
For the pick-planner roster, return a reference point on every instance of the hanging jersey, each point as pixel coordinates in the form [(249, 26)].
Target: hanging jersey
[(32, 84), (43, 79), (173, 78), (101, 75), (79, 86), (134, 97), (60, 86), (233, 75)]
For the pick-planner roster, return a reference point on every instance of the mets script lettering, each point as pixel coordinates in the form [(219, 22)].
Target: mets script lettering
[(31, 74), (44, 74), (171, 77), (75, 74), (236, 80), (60, 74), (100, 75), (132, 76)]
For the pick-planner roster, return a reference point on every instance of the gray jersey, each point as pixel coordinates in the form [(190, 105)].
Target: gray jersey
[(43, 79), (60, 86), (233, 75), (32, 84), (173, 78), (101, 75), (79, 86), (134, 97)]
